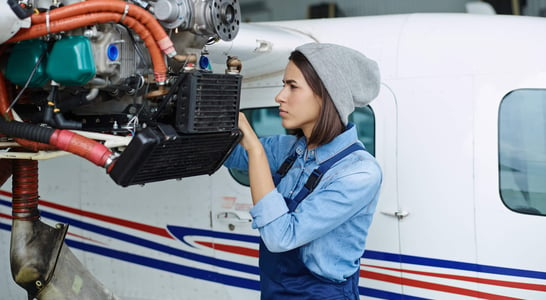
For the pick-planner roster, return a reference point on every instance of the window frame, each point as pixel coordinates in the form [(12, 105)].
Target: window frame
[(241, 176), (510, 197)]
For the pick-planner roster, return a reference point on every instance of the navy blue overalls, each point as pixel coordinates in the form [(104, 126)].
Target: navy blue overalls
[(284, 275)]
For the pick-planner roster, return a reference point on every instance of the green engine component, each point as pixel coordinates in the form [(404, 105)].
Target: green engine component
[(71, 61), (23, 59)]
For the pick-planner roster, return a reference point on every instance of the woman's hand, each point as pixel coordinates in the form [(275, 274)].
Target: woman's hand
[(259, 174), (249, 141)]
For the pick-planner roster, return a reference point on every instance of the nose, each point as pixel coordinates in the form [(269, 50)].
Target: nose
[(280, 96)]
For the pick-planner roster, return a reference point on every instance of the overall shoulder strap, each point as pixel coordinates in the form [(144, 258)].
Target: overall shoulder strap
[(317, 174), (283, 169), (285, 166)]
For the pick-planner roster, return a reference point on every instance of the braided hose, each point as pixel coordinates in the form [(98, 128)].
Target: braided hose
[(25, 190)]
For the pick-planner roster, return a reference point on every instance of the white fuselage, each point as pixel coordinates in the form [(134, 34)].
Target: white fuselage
[(441, 229)]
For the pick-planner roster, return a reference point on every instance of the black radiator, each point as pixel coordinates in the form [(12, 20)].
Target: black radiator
[(202, 136), (208, 102), (158, 154)]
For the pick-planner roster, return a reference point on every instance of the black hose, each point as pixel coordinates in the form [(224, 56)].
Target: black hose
[(56, 119), (63, 123), (26, 131), (48, 116)]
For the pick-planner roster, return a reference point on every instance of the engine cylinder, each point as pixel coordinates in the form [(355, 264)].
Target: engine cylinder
[(220, 18)]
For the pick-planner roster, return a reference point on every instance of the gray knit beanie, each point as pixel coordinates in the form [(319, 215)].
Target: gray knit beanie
[(352, 79)]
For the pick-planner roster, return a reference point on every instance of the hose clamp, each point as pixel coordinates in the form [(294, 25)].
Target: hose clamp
[(125, 12), (48, 28), (110, 161)]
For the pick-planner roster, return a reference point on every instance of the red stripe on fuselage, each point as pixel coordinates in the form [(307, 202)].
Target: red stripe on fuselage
[(431, 286), (231, 249), (510, 284), (125, 223)]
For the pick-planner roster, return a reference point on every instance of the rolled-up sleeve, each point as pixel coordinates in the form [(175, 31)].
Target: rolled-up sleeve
[(345, 192), (237, 159), (276, 148), (268, 209)]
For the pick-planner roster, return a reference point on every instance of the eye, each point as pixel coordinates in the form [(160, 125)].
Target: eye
[(291, 86), (291, 83)]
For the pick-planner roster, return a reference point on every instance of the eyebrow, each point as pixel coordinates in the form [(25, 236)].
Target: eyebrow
[(289, 81)]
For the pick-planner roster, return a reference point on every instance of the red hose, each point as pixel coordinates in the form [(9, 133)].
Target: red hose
[(38, 30), (87, 148), (4, 105), (4, 102), (25, 190), (65, 140), (121, 8)]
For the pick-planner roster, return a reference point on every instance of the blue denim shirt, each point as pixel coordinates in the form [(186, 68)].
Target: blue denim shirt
[(331, 224)]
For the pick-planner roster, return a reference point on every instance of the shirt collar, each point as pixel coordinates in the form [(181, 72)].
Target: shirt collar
[(324, 152)]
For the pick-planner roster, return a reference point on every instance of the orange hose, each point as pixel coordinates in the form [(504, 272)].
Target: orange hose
[(119, 7), (160, 68), (37, 30)]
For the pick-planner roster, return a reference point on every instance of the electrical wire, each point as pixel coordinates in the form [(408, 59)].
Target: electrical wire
[(27, 83)]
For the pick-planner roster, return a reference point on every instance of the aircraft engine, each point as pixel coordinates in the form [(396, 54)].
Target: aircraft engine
[(105, 69), (126, 85)]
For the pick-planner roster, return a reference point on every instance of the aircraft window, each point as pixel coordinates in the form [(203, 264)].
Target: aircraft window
[(266, 122), (522, 151)]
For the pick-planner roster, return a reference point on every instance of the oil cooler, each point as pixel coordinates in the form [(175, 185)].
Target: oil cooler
[(200, 138)]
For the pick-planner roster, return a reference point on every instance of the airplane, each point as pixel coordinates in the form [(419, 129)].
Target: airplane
[(458, 129)]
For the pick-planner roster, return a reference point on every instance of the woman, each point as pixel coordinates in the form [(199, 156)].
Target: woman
[(312, 239)]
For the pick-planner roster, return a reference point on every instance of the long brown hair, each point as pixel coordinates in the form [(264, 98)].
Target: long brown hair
[(329, 124)]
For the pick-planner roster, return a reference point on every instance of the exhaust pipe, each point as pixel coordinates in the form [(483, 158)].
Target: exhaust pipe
[(40, 261)]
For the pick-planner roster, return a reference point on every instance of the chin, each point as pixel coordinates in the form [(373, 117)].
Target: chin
[(288, 126)]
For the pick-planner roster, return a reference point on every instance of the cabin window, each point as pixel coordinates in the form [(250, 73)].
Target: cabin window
[(522, 151), (266, 122)]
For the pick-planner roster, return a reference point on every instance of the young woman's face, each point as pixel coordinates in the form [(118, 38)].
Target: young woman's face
[(299, 107)]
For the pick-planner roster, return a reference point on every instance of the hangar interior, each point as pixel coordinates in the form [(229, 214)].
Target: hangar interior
[(278, 10)]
